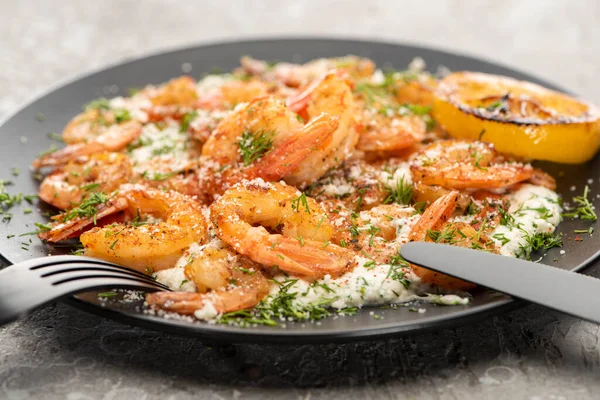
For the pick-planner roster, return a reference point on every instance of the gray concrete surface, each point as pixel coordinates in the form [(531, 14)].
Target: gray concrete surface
[(62, 353)]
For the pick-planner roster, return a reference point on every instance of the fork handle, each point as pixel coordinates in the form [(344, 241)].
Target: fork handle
[(18, 294)]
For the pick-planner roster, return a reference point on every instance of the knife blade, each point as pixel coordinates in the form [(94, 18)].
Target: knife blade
[(566, 291)]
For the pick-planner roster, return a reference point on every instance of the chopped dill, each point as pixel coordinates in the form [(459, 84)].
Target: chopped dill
[(50, 150), (90, 187), (282, 306), (122, 115), (501, 237), (255, 145), (395, 272), (87, 208), (445, 236), (585, 209), (402, 193), (187, 119), (472, 209), (101, 103), (300, 202), (166, 149), (55, 136), (244, 270), (158, 176), (106, 295), (539, 241)]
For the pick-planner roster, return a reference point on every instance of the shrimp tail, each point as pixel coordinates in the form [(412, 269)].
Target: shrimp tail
[(434, 216), (66, 154), (242, 297), (307, 258), (185, 303), (115, 139), (286, 157), (74, 227)]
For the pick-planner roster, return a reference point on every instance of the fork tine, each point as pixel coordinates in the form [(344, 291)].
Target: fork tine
[(83, 276), (63, 260), (99, 282), (72, 267)]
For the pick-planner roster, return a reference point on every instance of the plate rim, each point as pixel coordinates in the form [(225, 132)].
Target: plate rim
[(242, 335)]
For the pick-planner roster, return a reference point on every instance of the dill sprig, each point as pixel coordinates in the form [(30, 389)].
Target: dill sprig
[(300, 201), (445, 236), (87, 208), (122, 115), (402, 193), (537, 242), (7, 201), (187, 119), (283, 307), (585, 209), (254, 145), (158, 176), (101, 103), (396, 272)]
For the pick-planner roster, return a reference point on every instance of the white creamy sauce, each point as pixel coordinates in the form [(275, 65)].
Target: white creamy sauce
[(535, 209), (369, 284), (359, 287), (175, 277)]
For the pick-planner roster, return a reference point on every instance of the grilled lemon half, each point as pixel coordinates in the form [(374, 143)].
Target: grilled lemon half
[(518, 117)]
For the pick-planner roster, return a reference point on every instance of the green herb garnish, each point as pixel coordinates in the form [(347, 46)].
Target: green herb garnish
[(402, 193), (106, 295), (101, 103), (300, 201), (585, 209), (122, 115), (88, 208), (187, 119), (254, 145)]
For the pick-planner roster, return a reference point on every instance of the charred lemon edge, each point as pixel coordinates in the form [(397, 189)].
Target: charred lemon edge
[(566, 139)]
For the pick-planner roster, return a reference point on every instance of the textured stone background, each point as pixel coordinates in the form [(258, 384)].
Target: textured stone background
[(64, 353)]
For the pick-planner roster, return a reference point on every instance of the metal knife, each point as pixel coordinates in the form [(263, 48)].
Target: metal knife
[(566, 291)]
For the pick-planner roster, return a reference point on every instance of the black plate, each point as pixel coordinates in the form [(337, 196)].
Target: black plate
[(60, 105)]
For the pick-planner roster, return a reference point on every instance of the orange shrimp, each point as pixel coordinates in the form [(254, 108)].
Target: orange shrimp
[(457, 164), (243, 214), (116, 138)]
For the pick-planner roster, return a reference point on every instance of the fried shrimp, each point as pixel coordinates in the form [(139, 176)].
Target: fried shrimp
[(153, 245), (232, 92), (433, 226), (261, 139), (333, 96), (161, 226), (294, 75), (68, 186), (180, 92), (275, 225), (116, 138), (88, 125), (383, 134), (457, 164), (435, 216), (225, 281)]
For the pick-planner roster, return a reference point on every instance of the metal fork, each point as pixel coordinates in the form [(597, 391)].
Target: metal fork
[(33, 283)]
